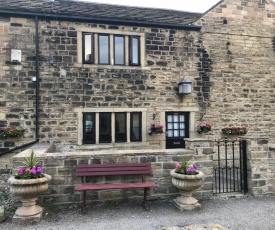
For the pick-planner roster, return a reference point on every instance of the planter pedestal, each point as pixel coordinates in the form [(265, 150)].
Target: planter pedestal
[(29, 207), (187, 184), (186, 202)]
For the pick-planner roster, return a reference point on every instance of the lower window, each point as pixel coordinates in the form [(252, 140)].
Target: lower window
[(112, 127)]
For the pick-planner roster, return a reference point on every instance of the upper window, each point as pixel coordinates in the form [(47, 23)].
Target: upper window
[(110, 49)]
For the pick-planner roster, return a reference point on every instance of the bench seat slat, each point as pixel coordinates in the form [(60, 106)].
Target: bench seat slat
[(112, 165), (112, 169), (113, 173), (114, 186)]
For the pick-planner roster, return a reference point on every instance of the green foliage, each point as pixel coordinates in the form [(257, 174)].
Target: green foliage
[(31, 170), (11, 132), (31, 161), (185, 168)]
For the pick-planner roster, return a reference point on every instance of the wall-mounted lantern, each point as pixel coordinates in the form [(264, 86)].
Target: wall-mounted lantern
[(185, 86)]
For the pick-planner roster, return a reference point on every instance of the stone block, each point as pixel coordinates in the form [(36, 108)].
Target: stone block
[(110, 194), (2, 214), (64, 171), (207, 186), (70, 162), (124, 159), (57, 180), (165, 182), (259, 155), (156, 166), (169, 165), (95, 161), (207, 151), (164, 158), (53, 162), (147, 159), (109, 160)]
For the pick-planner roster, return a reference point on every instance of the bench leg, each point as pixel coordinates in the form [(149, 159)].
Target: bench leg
[(145, 198), (84, 205)]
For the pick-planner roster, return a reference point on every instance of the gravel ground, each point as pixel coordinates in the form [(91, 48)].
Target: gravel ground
[(247, 213)]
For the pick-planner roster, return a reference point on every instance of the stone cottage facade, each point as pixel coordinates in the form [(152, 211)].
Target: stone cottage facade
[(94, 77)]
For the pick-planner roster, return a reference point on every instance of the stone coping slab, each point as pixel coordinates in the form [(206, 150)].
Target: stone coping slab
[(41, 151)]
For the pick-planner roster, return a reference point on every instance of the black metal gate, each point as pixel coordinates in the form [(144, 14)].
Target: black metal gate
[(230, 167)]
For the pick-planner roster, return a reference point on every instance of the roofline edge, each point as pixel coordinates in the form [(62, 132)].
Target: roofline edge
[(101, 20)]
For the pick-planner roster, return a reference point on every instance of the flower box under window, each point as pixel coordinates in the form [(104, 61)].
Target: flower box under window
[(235, 130)]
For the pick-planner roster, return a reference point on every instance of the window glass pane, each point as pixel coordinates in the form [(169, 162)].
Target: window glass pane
[(170, 126), (119, 50), (176, 125), (103, 49), (182, 126), (176, 133), (182, 133), (105, 128), (169, 118), (136, 127), (170, 133), (181, 118), (134, 51), (88, 48), (89, 128), (120, 127), (176, 118)]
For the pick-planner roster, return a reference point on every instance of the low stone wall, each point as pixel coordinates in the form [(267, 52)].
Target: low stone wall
[(61, 167)]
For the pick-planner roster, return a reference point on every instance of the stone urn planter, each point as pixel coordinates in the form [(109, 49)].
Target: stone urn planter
[(187, 184), (28, 190)]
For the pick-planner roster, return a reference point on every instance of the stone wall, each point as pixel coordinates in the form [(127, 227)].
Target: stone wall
[(65, 84), (61, 167), (261, 170), (231, 63), (238, 35)]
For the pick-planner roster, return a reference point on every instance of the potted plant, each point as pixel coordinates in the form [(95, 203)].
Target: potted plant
[(155, 129), (204, 127), (28, 183), (186, 178), (11, 132), (235, 130)]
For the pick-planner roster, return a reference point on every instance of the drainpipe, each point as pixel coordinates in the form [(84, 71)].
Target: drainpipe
[(37, 95), (37, 80)]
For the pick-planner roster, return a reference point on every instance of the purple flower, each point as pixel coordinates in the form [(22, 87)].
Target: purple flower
[(33, 171), (188, 170), (21, 171), (39, 170)]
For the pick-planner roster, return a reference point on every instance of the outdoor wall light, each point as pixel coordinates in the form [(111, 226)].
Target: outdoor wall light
[(185, 86)]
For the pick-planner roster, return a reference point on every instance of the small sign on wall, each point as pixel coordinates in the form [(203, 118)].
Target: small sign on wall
[(15, 56)]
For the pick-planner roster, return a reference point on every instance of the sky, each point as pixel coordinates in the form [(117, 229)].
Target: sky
[(182, 5)]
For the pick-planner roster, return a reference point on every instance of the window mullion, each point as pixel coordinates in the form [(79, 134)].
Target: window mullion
[(111, 49), (128, 125), (126, 50), (96, 48), (113, 127), (97, 128)]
